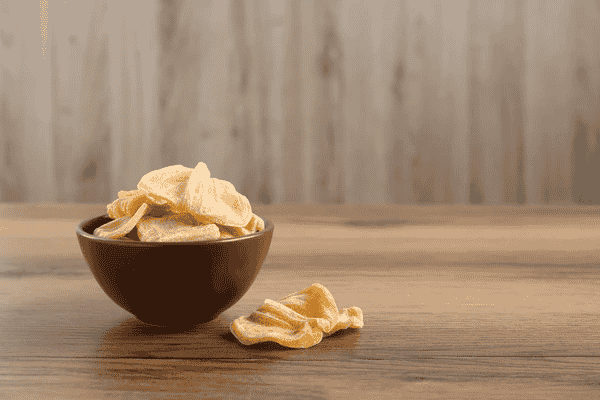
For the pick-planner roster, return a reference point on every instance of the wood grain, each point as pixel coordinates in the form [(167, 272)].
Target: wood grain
[(586, 78), (26, 159), (459, 302), (549, 28), (496, 71), (323, 92), (363, 102)]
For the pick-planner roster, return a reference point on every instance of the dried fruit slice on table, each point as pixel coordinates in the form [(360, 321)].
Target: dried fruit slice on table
[(299, 320)]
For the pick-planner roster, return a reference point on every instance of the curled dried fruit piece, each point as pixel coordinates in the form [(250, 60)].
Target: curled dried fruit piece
[(175, 228), (209, 208), (192, 233), (317, 302), (121, 226), (127, 204), (299, 320), (224, 234), (166, 186), (216, 201), (256, 224), (129, 201)]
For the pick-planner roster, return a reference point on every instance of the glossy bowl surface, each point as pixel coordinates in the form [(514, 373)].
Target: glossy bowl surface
[(174, 284)]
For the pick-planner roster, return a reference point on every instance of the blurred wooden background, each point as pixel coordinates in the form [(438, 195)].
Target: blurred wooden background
[(403, 101)]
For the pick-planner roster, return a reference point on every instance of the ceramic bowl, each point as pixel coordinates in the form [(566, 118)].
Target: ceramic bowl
[(178, 283)]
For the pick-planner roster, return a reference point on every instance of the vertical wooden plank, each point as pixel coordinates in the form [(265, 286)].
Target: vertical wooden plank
[(250, 159), (512, 107), (169, 40), (431, 164), (549, 40), (180, 55), (293, 159), (383, 42), (496, 90), (358, 154), (243, 169), (309, 49), (367, 76), (322, 94), (89, 169), (413, 117), (25, 107), (70, 27), (585, 76), (264, 190), (12, 160), (210, 63), (257, 78), (455, 24), (209, 135), (131, 38), (274, 15), (400, 149)]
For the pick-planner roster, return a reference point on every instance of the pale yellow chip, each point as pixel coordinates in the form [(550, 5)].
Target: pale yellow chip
[(192, 234), (117, 208), (299, 320), (126, 204), (256, 224), (232, 231), (216, 201), (167, 186), (225, 234), (199, 200), (175, 228), (121, 226)]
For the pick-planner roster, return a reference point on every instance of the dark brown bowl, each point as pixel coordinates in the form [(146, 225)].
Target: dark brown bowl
[(174, 284)]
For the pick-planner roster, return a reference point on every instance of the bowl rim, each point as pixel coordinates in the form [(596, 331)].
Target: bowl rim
[(80, 232)]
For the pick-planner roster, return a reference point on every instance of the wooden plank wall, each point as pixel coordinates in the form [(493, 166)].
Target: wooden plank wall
[(312, 101)]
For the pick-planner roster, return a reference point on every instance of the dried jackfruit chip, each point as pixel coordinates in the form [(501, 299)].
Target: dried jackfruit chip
[(299, 320), (175, 228), (167, 186), (256, 224), (121, 226), (224, 233), (126, 204), (201, 201), (215, 200), (192, 234)]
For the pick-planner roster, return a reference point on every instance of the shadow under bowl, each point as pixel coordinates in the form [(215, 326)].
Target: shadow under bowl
[(174, 283)]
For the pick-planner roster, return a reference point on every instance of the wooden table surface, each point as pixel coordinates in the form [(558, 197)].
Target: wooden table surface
[(458, 301)]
